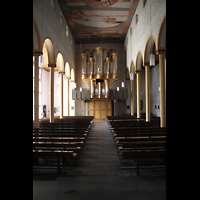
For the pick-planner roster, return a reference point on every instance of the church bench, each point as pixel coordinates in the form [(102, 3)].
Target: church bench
[(144, 154), (138, 134), (130, 117), (75, 147), (54, 154), (51, 134), (61, 145), (58, 139), (139, 130), (132, 124), (139, 146), (62, 129), (142, 139)]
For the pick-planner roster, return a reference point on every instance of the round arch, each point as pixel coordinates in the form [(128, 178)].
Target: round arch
[(161, 43), (60, 62), (132, 70), (37, 47), (50, 51), (72, 75), (149, 48), (67, 70), (139, 62)]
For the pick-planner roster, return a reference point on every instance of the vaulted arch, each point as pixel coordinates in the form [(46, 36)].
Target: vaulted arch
[(37, 47), (51, 51), (72, 75), (67, 70), (132, 69), (149, 48), (60, 62), (161, 43), (139, 62)]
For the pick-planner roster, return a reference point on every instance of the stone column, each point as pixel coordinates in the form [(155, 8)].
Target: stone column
[(51, 92), (147, 88), (61, 94), (132, 97), (36, 90), (162, 54), (138, 95)]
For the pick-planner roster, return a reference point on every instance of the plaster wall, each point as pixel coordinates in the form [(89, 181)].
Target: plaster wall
[(48, 22)]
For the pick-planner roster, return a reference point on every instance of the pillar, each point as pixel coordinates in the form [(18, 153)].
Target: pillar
[(132, 97), (51, 92), (138, 96), (67, 97), (162, 90), (61, 94), (115, 107), (36, 96), (147, 88)]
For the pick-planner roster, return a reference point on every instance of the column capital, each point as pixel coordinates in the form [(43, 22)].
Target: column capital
[(161, 51), (37, 53), (61, 73), (138, 72), (51, 65), (146, 64)]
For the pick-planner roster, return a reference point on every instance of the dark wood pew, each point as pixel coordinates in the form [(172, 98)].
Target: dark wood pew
[(139, 130), (54, 154), (141, 146), (138, 154), (63, 139), (139, 139)]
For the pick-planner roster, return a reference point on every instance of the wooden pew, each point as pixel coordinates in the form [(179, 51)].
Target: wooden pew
[(139, 139), (54, 154), (138, 154), (63, 139)]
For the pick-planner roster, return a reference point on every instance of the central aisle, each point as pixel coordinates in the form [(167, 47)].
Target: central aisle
[(99, 156)]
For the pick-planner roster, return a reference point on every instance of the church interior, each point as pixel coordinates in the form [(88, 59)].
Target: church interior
[(99, 99)]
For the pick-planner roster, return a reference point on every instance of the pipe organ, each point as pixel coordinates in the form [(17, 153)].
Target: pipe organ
[(99, 70)]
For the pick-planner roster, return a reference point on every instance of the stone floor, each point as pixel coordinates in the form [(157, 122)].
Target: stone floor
[(98, 175)]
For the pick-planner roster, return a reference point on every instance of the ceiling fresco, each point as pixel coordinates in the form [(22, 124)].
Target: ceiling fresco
[(98, 21)]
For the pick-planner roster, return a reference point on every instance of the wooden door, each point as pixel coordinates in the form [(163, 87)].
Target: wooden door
[(100, 109), (91, 108), (97, 110)]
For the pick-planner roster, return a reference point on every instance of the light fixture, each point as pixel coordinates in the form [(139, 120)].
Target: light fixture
[(152, 59), (80, 89), (122, 84), (117, 88), (131, 76), (41, 61)]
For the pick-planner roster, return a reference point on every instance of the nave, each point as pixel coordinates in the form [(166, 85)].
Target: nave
[(98, 174)]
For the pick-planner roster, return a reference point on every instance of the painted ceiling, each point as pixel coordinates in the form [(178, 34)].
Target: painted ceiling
[(98, 21)]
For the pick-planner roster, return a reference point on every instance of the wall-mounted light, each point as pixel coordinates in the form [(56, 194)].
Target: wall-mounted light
[(131, 76), (41, 61), (80, 89), (122, 84), (117, 88), (74, 85), (152, 59)]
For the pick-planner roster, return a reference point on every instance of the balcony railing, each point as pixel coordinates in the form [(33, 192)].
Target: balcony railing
[(122, 94)]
